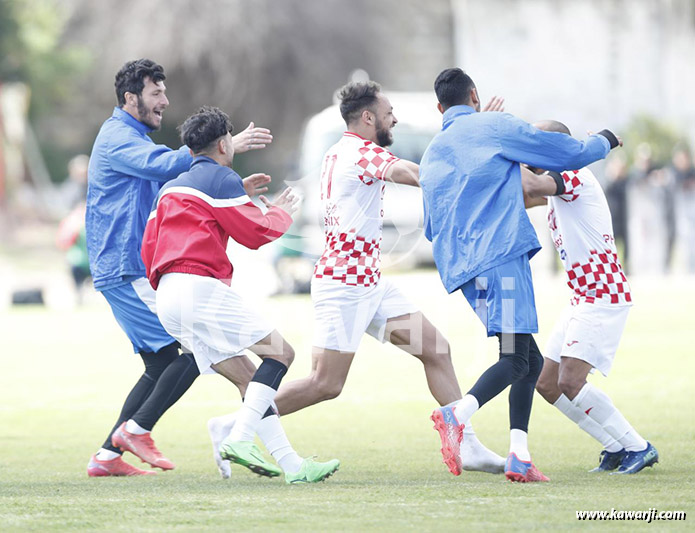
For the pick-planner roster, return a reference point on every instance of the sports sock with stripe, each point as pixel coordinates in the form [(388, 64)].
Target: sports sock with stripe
[(274, 438), (585, 422), (599, 407)]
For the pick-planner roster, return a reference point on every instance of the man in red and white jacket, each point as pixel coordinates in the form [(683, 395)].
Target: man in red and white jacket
[(185, 253), (587, 334)]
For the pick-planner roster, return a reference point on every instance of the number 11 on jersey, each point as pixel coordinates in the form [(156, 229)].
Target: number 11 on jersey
[(327, 175)]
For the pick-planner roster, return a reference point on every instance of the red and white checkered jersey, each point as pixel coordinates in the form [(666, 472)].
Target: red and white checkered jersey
[(352, 194), (582, 231)]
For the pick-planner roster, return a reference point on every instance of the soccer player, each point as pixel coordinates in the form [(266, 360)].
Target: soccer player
[(185, 253), (126, 170), (483, 240), (587, 335), (349, 294)]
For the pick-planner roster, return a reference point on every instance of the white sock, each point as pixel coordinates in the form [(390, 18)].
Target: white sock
[(476, 457), (106, 455), (598, 405), (273, 436), (586, 423), (131, 426), (256, 402), (465, 407), (468, 429), (518, 444), (226, 421), (219, 427)]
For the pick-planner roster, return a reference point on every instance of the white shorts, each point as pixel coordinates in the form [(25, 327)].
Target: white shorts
[(344, 313), (590, 332), (208, 318)]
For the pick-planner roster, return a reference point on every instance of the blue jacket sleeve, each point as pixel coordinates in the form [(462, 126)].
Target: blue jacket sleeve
[(146, 160), (427, 221), (521, 142)]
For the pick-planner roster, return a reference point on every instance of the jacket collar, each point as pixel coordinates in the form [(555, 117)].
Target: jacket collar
[(129, 119), (454, 112), (203, 159)]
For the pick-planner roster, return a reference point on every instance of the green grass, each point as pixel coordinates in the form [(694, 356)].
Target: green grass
[(65, 373)]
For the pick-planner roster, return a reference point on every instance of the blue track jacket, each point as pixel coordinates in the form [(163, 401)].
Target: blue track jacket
[(471, 187), (126, 171)]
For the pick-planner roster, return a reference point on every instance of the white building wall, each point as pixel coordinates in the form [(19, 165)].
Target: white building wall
[(589, 63)]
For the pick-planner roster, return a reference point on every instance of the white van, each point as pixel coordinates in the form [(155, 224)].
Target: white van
[(404, 244)]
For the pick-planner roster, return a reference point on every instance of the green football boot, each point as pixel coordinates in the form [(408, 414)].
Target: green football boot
[(246, 453), (312, 471)]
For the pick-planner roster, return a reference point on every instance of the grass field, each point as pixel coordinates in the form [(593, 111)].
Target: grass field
[(65, 373)]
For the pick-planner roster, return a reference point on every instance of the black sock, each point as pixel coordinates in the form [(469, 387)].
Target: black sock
[(155, 363), (521, 392), (270, 373), (136, 397), (510, 368), (176, 379)]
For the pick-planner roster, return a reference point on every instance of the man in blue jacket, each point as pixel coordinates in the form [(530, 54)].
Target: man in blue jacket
[(126, 171), (483, 240)]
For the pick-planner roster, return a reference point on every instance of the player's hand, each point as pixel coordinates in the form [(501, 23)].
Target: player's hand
[(252, 138), (495, 104), (620, 139), (254, 184), (288, 201)]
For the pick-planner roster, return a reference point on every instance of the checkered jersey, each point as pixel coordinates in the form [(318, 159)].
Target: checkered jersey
[(582, 232), (573, 185), (352, 194)]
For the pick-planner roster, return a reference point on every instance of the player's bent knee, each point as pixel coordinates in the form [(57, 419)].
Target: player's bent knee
[(434, 357), (327, 390), (535, 366), (288, 354), (547, 388), (570, 386), (520, 367)]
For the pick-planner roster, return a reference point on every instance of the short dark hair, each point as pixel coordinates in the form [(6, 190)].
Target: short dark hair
[(131, 77), (355, 97), (202, 129), (453, 87)]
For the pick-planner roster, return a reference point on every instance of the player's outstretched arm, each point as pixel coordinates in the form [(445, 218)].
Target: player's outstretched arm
[(536, 187), (148, 161), (287, 201), (523, 142), (405, 172), (250, 227), (252, 138)]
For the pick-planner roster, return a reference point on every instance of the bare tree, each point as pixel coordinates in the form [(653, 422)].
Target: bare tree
[(272, 61)]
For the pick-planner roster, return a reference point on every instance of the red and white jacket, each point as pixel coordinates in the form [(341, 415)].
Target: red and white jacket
[(195, 215)]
